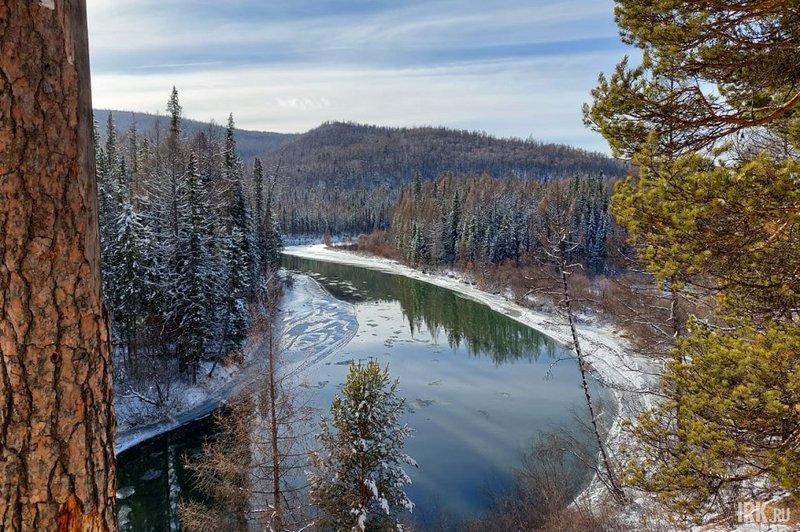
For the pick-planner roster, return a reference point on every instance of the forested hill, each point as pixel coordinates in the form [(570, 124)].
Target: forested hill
[(348, 155), (345, 178), (362, 157), (249, 144)]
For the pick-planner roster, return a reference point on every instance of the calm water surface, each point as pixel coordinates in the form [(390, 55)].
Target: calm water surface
[(479, 387)]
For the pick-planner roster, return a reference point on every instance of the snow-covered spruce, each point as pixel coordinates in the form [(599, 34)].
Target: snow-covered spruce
[(180, 222), (357, 479)]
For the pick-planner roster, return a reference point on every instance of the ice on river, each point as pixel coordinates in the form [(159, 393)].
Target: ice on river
[(314, 325)]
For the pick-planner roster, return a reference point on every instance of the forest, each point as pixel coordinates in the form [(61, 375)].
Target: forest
[(137, 257), (188, 240), (345, 178)]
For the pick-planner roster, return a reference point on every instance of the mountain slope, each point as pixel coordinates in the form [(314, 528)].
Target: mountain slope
[(348, 155)]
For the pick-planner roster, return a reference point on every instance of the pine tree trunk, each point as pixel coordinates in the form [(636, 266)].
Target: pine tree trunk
[(56, 413)]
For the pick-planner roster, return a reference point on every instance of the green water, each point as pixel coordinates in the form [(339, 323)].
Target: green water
[(479, 387), (151, 478)]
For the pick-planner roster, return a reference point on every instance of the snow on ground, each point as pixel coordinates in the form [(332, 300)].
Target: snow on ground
[(138, 421), (630, 377), (313, 326)]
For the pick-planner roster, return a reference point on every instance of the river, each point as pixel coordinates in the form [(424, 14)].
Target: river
[(479, 388)]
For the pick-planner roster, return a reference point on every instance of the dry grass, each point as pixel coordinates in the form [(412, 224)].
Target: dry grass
[(541, 497), (376, 243)]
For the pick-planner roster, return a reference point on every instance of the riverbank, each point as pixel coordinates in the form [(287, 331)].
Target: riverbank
[(313, 325), (630, 377)]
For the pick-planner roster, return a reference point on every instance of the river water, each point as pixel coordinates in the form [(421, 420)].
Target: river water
[(479, 388)]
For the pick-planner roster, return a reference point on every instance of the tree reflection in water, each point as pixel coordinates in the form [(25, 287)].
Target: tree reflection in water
[(465, 323)]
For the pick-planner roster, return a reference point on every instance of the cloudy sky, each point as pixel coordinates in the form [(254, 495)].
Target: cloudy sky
[(509, 67)]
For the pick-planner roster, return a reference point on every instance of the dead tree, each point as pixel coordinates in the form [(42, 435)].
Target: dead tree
[(558, 242), (253, 471)]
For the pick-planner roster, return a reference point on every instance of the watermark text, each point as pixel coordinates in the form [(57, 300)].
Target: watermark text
[(761, 512)]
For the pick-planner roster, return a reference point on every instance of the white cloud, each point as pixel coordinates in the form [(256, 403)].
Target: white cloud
[(539, 98), (303, 104), (414, 64)]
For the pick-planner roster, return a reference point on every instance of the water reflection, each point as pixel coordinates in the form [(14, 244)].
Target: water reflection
[(152, 477), (464, 323), (479, 387)]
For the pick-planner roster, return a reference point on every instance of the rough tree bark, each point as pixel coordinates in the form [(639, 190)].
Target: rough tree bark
[(56, 411)]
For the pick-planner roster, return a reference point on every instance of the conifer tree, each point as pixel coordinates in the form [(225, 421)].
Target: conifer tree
[(593, 220), (175, 111), (126, 275), (174, 169), (236, 318), (134, 155), (107, 191), (258, 213), (237, 251), (450, 230), (111, 153), (239, 215), (418, 246), (710, 117), (194, 278), (123, 242), (471, 240), (267, 235), (273, 241), (358, 479)]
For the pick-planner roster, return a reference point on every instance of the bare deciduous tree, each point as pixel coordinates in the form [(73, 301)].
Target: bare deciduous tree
[(252, 472)]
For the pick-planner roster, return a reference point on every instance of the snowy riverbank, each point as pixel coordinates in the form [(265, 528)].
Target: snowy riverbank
[(313, 324), (632, 378), (629, 376), (316, 325)]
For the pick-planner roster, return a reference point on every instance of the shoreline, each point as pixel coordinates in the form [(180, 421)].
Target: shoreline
[(630, 377), (612, 361), (308, 336)]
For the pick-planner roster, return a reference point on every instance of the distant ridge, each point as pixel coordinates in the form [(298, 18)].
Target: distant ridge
[(347, 155), (249, 143)]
